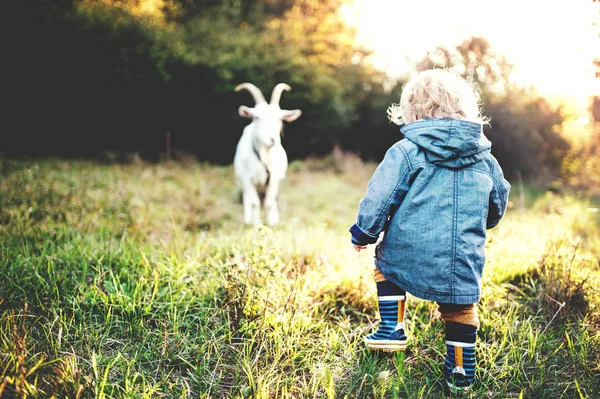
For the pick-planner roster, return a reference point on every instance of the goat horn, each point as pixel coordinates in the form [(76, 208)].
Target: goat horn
[(255, 91), (276, 95)]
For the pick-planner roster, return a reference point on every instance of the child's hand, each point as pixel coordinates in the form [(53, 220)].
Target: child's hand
[(359, 247)]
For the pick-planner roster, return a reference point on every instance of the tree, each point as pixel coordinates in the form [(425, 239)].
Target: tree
[(580, 168), (93, 76), (475, 60)]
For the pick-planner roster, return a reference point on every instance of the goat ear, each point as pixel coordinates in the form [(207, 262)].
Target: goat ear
[(290, 115), (246, 112)]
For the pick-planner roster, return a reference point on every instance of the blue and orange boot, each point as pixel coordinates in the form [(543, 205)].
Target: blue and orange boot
[(390, 337), (459, 366)]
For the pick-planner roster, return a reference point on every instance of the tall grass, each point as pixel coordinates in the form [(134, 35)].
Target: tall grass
[(139, 281)]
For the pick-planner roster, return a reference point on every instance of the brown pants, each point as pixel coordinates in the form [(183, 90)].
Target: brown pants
[(464, 314)]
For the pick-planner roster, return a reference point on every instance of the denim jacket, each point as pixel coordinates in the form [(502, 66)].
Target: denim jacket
[(434, 195)]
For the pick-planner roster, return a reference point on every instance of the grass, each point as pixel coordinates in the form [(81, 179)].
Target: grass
[(139, 281)]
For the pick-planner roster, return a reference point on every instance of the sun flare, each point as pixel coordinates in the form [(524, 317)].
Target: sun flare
[(552, 44)]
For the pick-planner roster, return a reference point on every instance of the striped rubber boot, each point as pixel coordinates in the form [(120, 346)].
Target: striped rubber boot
[(390, 336), (459, 367)]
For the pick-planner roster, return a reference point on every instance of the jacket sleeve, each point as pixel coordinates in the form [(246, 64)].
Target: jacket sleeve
[(385, 192), (498, 196)]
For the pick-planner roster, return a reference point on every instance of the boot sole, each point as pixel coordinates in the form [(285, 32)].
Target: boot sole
[(386, 345), (458, 390)]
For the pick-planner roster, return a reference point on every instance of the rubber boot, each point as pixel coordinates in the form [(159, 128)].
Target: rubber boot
[(390, 337), (459, 367)]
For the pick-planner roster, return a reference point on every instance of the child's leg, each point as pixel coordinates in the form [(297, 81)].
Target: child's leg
[(390, 336), (462, 323)]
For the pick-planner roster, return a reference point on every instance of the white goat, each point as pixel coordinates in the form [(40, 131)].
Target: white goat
[(260, 162)]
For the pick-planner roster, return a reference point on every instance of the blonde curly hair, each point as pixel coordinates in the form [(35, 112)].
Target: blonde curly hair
[(437, 94)]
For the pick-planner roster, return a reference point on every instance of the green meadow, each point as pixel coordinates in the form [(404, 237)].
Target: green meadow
[(139, 281)]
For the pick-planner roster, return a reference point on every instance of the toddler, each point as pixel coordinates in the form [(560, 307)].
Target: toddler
[(434, 195)]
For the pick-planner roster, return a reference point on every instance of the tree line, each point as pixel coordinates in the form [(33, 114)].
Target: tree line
[(103, 78)]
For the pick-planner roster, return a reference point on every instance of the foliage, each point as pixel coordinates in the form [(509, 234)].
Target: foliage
[(305, 45), (138, 281), (108, 79), (475, 60), (149, 11), (527, 135), (581, 164), (128, 72)]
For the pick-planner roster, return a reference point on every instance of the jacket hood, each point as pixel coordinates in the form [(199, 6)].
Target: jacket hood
[(449, 142)]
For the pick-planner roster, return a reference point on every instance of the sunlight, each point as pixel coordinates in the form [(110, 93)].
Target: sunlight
[(150, 7), (552, 44), (583, 121)]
